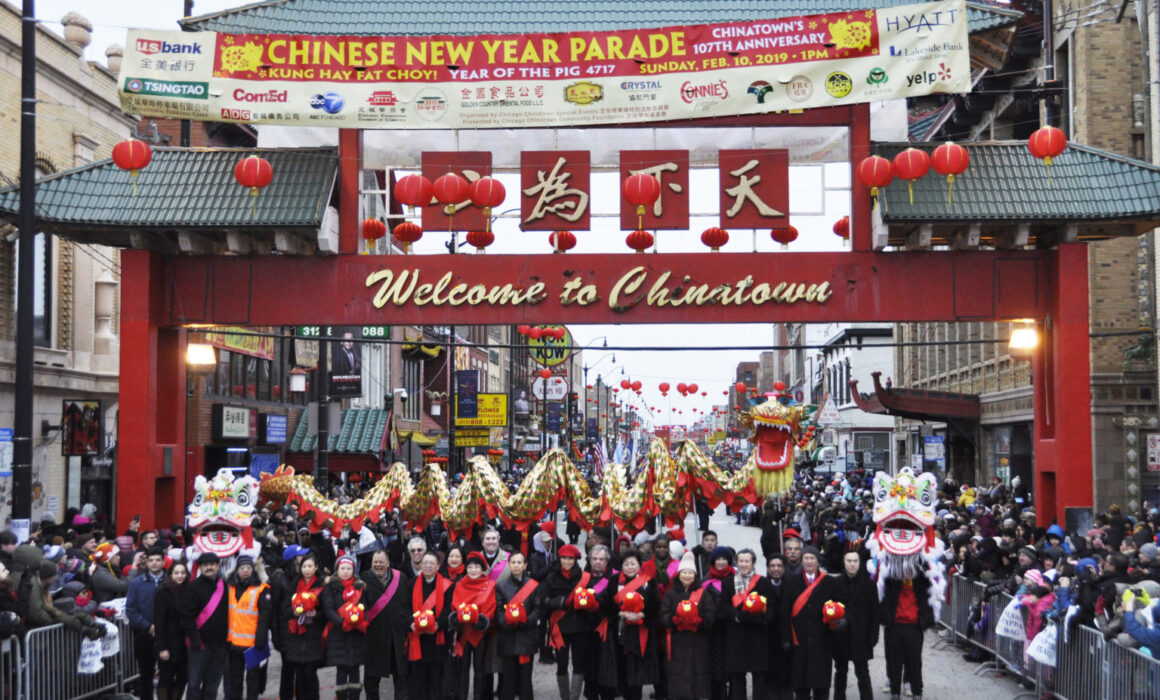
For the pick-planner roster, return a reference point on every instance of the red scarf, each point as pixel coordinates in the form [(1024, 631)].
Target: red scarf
[(555, 636), (801, 601), (454, 572), (518, 602), (721, 574), (298, 624), (481, 592), (740, 596), (626, 588), (434, 603), (695, 597)]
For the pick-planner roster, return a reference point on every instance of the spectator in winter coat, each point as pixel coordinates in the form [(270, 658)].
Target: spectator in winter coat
[(346, 649), (169, 638), (31, 595), (517, 613), (139, 609), (856, 640), (388, 601), (1148, 636), (107, 581)]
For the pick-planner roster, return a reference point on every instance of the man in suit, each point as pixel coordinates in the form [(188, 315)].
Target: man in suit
[(346, 360)]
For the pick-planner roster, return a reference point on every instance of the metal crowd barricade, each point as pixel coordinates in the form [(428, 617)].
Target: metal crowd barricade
[(1129, 673), (1079, 664), (10, 676), (1007, 650), (50, 667), (127, 659)]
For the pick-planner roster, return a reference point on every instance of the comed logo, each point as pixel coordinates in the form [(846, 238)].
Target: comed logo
[(152, 46)]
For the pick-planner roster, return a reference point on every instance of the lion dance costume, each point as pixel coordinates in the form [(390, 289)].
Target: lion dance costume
[(220, 517), (904, 545)]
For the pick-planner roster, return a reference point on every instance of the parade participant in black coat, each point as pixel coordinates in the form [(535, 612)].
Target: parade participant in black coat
[(472, 613), (169, 640), (302, 639), (427, 643), (346, 643), (689, 674), (803, 632), (856, 640), (205, 621), (517, 612), (746, 625), (905, 613), (636, 621), (600, 676), (777, 678), (388, 601), (568, 626), (280, 591)]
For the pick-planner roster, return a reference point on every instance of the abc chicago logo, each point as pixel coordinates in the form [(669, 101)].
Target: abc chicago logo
[(330, 102)]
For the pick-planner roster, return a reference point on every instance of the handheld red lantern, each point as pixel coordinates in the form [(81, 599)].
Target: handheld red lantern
[(132, 155), (486, 192), (642, 190), (407, 233), (833, 611), (950, 159), (755, 603), (875, 172), (784, 235), (414, 191), (715, 237), (480, 239), (1047, 143), (514, 614), (353, 617), (255, 173), (842, 227), (304, 602), (562, 241), (687, 618), (911, 165), (425, 622), (468, 612), (583, 598), (639, 241), (373, 229)]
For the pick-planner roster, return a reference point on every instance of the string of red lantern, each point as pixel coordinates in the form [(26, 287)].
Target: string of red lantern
[(450, 190), (1047, 143), (641, 190), (486, 192), (715, 237), (255, 173), (784, 235), (562, 241), (414, 191), (407, 233), (842, 227), (373, 229), (910, 165), (480, 239), (639, 240), (132, 155), (950, 159), (875, 172)]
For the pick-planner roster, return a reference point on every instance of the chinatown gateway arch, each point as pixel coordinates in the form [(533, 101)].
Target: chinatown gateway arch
[(748, 95)]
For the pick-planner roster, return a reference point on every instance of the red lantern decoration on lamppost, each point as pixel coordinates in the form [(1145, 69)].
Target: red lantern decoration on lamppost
[(875, 172), (1047, 143), (784, 235), (545, 373), (625, 384), (715, 237), (911, 165), (407, 233), (637, 385), (486, 192), (480, 239), (562, 241), (664, 387), (950, 159), (639, 240), (414, 191), (842, 227), (132, 155), (642, 190), (255, 173), (449, 190)]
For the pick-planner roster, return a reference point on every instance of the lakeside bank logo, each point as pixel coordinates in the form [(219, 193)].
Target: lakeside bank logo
[(329, 102)]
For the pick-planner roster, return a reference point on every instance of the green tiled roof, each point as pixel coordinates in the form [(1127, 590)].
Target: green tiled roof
[(185, 188), (1005, 182), (430, 17), (361, 432)]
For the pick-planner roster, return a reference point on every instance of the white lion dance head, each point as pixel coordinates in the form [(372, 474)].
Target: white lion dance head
[(904, 544), (220, 515)]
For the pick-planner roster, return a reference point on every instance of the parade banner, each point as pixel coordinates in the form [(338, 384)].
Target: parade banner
[(558, 79)]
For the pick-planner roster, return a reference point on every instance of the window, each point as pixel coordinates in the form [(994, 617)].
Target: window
[(42, 281), (411, 373)]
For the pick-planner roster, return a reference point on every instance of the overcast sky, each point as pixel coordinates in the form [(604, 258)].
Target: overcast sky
[(711, 370)]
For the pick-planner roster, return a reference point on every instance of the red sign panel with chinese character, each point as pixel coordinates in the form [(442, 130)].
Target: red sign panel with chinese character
[(754, 188), (554, 190), (471, 165), (671, 168)]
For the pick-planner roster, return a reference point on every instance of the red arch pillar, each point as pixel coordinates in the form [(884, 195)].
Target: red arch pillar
[(1061, 376)]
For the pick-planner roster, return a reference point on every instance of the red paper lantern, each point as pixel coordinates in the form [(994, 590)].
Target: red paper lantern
[(950, 159), (784, 235), (450, 189), (692, 388), (132, 155), (535, 332), (562, 241), (1047, 143), (255, 173), (546, 373), (407, 233), (486, 192), (663, 386), (910, 165), (414, 191), (875, 172), (373, 229), (642, 190), (637, 385), (480, 239), (740, 387), (842, 227), (625, 384), (639, 240), (715, 237), (683, 388), (523, 330)]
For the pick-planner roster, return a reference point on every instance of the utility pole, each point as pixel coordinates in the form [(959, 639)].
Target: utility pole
[(322, 456), (185, 124), (25, 269)]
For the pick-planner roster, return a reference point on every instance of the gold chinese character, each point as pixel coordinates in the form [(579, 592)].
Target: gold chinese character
[(744, 191), (555, 187)]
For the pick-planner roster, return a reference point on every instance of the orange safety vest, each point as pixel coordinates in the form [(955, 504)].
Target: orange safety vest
[(244, 615)]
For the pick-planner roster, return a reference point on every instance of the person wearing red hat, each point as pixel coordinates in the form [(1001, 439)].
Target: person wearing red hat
[(564, 588), (472, 613)]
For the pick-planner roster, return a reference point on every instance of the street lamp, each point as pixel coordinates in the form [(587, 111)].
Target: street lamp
[(200, 358)]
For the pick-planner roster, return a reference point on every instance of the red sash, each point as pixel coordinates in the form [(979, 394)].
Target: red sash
[(739, 598), (434, 602), (696, 599), (484, 599), (527, 590), (801, 601), (555, 636), (385, 598), (633, 585)]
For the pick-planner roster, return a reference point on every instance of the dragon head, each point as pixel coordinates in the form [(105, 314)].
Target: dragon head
[(779, 425), (221, 512)]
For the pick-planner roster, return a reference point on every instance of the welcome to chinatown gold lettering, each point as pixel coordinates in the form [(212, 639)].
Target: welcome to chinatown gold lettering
[(630, 290)]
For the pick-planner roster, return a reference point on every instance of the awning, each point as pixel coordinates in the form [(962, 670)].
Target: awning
[(416, 437)]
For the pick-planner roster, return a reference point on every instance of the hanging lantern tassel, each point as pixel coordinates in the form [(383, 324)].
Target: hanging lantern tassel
[(254, 173), (1045, 144), (950, 159), (910, 165)]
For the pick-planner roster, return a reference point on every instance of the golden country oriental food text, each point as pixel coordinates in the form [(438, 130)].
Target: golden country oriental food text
[(637, 286)]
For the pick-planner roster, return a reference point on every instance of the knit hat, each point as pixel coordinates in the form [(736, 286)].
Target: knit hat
[(687, 563), (1029, 551), (245, 560), (104, 552), (1148, 551), (346, 559), (810, 549), (676, 549), (721, 553), (1034, 577), (568, 550)]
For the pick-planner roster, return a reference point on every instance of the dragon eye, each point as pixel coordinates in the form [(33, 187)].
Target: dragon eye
[(242, 497), (926, 498), (199, 499), (881, 495)]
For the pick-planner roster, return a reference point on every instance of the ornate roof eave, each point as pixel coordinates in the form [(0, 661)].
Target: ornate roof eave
[(919, 404)]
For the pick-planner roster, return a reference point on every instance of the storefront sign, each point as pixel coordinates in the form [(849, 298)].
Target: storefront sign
[(273, 428), (472, 437), (574, 78), (246, 341), (231, 422), (1154, 452), (550, 352), (492, 412), (466, 393)]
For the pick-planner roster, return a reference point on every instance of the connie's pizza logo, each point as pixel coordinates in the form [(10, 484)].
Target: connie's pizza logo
[(583, 93)]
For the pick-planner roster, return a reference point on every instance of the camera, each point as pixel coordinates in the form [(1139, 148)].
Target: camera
[(402, 394)]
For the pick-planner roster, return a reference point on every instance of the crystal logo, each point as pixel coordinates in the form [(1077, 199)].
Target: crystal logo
[(153, 46), (760, 88), (330, 102)]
